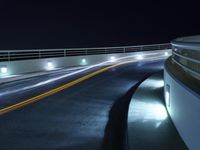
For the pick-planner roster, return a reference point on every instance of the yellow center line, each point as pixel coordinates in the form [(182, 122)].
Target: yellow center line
[(56, 90)]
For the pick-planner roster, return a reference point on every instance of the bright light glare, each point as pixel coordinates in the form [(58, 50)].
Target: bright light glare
[(155, 83), (154, 111), (159, 112), (83, 61), (160, 83), (50, 65), (167, 97), (166, 53), (139, 57), (4, 69), (112, 59), (148, 111)]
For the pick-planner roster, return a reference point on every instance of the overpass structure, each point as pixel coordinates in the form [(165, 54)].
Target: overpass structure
[(79, 98), (182, 88)]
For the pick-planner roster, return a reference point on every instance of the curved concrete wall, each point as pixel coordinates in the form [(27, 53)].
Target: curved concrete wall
[(34, 65), (184, 109)]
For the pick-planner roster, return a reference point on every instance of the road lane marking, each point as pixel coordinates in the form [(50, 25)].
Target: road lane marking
[(56, 90)]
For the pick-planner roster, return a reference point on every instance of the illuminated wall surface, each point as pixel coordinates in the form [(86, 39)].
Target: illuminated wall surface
[(182, 88), (26, 61)]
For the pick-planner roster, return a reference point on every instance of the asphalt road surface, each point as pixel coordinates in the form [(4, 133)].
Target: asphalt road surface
[(73, 119)]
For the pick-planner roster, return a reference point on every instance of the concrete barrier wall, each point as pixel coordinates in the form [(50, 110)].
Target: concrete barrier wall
[(184, 109), (35, 65)]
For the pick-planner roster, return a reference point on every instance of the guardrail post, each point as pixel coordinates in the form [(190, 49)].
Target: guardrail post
[(65, 52), (86, 51), (8, 56), (124, 50), (141, 48), (39, 55)]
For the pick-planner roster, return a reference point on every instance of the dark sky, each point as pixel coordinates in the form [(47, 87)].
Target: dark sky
[(30, 24)]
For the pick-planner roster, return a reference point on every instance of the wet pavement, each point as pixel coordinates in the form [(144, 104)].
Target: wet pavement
[(149, 125), (73, 119)]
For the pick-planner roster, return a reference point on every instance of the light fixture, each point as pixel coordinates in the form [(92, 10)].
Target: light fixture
[(167, 95), (50, 65), (166, 53), (112, 59), (83, 60), (4, 69), (139, 57)]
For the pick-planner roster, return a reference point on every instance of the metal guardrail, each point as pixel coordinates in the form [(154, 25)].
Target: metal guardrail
[(187, 58), (12, 55)]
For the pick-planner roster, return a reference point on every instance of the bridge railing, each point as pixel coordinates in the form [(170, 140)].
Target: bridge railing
[(12, 55), (187, 58)]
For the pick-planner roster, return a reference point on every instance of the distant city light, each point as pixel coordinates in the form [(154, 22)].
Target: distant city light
[(112, 59), (4, 69)]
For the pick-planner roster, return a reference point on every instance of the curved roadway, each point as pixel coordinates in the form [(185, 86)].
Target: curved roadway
[(73, 119)]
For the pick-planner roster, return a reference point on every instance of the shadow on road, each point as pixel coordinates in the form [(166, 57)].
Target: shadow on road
[(115, 137)]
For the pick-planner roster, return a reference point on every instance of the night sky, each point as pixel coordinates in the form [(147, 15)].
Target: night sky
[(80, 23)]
